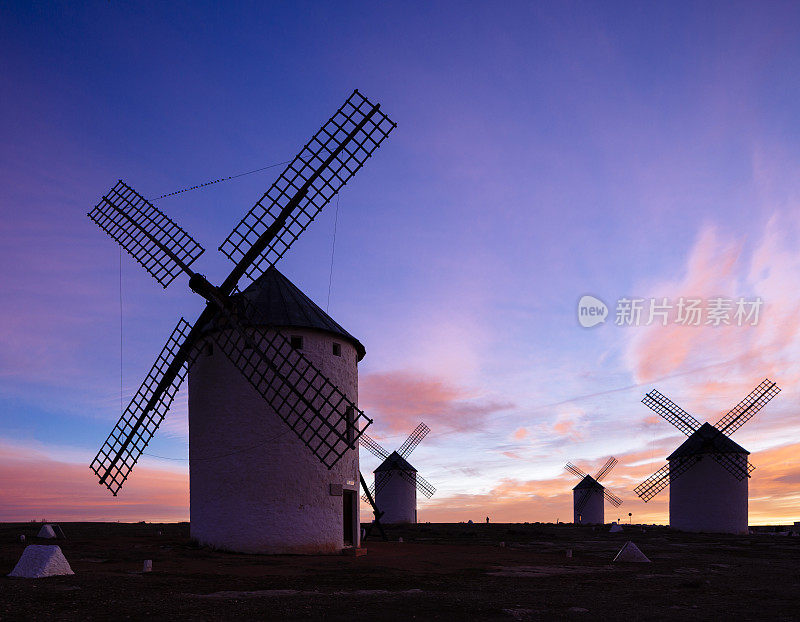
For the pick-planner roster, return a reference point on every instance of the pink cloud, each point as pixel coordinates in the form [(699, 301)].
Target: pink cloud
[(569, 424), (400, 400), (520, 434), (730, 359)]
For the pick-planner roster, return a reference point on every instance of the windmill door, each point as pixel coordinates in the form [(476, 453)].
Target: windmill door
[(349, 516)]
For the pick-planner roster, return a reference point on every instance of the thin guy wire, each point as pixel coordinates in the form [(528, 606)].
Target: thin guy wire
[(221, 179), (333, 249)]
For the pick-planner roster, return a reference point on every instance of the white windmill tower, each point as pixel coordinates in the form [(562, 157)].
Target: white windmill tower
[(238, 496), (589, 495), (396, 481), (708, 474), (273, 420)]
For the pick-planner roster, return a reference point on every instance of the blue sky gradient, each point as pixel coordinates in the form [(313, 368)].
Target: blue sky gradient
[(543, 151)]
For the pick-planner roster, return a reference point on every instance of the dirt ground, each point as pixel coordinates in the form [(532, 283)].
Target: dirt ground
[(438, 572)]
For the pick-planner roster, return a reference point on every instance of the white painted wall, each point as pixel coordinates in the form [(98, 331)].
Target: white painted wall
[(708, 498), (397, 499), (254, 486), (592, 512)]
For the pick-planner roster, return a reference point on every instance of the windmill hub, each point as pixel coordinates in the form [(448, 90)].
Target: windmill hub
[(200, 285)]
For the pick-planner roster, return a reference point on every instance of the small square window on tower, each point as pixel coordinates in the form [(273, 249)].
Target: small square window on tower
[(337, 349), (297, 342)]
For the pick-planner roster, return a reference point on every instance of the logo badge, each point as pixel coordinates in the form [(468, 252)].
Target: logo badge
[(591, 311)]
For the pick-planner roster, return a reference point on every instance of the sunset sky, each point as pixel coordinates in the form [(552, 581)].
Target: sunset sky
[(544, 151)]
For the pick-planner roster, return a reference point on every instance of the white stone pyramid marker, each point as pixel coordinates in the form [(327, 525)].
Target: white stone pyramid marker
[(631, 553), (41, 560), (615, 528), (46, 532)]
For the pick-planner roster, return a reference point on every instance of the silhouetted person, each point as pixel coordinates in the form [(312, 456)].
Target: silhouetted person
[(487, 520)]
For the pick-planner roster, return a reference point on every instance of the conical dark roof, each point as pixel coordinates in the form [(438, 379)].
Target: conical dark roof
[(588, 482), (707, 440), (276, 301), (395, 462)]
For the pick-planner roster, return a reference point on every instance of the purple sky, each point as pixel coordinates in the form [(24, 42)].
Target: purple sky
[(543, 152)]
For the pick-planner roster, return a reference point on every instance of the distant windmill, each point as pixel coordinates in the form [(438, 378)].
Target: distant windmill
[(396, 481), (587, 496), (273, 441), (708, 473)]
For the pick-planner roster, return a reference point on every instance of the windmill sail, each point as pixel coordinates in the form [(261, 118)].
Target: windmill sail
[(162, 247), (324, 165), (118, 455), (612, 498), (671, 412), (575, 470), (414, 439), (372, 445), (748, 407), (605, 468), (424, 486)]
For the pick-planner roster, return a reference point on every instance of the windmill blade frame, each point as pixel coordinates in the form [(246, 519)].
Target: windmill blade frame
[(373, 446), (671, 412), (367, 497), (659, 480), (738, 467), (575, 470), (748, 407), (161, 246), (604, 470), (414, 439), (612, 498), (145, 412), (423, 485), (654, 484), (301, 191)]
